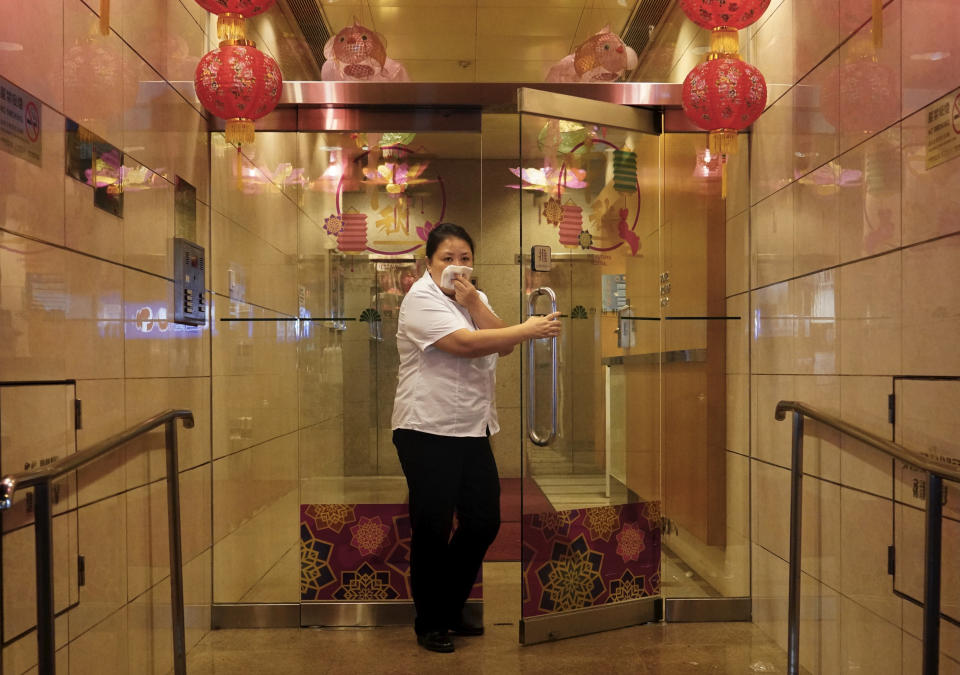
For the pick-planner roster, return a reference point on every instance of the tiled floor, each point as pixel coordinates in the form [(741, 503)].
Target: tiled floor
[(670, 649)]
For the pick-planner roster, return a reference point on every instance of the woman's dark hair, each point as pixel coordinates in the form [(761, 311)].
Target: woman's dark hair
[(443, 231)]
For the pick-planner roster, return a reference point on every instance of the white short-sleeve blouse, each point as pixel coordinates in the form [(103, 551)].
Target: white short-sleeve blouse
[(439, 393)]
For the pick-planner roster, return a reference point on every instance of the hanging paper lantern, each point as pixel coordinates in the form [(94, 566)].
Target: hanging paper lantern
[(724, 18), (624, 171), (240, 84), (352, 237), (232, 13), (724, 95), (570, 225), (735, 14)]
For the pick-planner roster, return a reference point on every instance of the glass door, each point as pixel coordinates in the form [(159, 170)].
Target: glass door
[(590, 244)]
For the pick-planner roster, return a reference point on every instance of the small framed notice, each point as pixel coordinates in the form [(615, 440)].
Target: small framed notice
[(540, 258), (943, 129)]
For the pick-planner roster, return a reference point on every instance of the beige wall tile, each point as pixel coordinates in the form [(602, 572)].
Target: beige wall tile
[(31, 196), (870, 316), (773, 326), (913, 631), (815, 104), (870, 196), (147, 220), (772, 238), (772, 439), (103, 648), (816, 235), (102, 543), (821, 548), (814, 35), (146, 456), (738, 413), (37, 66), (863, 402), (21, 656), (931, 312), (868, 643), (817, 344), (771, 508), (930, 63), (738, 253), (103, 416), (252, 480), (864, 577), (157, 347), (19, 566), (870, 95), (247, 268), (92, 67), (768, 590), (931, 197), (242, 557)]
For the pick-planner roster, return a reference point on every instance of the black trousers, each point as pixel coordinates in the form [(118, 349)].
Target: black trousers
[(447, 475)]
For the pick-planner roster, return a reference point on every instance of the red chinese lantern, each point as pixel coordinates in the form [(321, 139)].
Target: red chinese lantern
[(734, 14), (724, 18), (240, 84), (232, 13), (724, 95)]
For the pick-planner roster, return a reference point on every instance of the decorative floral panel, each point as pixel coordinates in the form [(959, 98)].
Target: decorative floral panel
[(589, 557), (356, 553)]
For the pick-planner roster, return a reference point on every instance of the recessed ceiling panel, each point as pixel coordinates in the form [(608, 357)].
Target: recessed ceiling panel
[(527, 21)]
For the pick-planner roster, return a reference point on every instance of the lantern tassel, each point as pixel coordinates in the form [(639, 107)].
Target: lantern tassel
[(877, 28), (724, 42), (105, 17), (239, 130), (230, 27), (722, 143)]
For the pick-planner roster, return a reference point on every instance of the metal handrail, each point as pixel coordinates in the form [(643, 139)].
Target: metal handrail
[(40, 481), (933, 538)]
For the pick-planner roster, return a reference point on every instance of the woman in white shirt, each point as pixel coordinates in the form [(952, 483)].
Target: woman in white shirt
[(443, 415)]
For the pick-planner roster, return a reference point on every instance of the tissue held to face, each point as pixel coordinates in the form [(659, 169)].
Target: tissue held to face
[(600, 58), (359, 53), (451, 251)]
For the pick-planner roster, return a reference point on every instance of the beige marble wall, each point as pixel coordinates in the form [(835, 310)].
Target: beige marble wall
[(72, 279), (852, 278)]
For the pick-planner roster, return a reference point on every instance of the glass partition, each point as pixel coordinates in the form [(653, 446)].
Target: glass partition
[(317, 236)]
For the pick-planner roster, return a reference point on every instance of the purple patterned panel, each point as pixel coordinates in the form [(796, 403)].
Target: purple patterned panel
[(356, 552), (589, 557)]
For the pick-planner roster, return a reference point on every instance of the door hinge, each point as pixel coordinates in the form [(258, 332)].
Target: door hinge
[(891, 560), (892, 408), (77, 413), (81, 571)]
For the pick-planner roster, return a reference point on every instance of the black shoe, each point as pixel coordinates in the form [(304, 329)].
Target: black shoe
[(436, 641), (463, 627)]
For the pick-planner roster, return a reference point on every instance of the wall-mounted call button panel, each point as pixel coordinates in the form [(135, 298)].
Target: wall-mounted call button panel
[(188, 283)]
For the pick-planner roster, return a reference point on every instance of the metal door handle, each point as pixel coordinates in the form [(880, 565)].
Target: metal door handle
[(531, 373)]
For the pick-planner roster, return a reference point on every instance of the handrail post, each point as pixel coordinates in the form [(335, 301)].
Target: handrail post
[(796, 513), (931, 575), (176, 554), (43, 537)]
